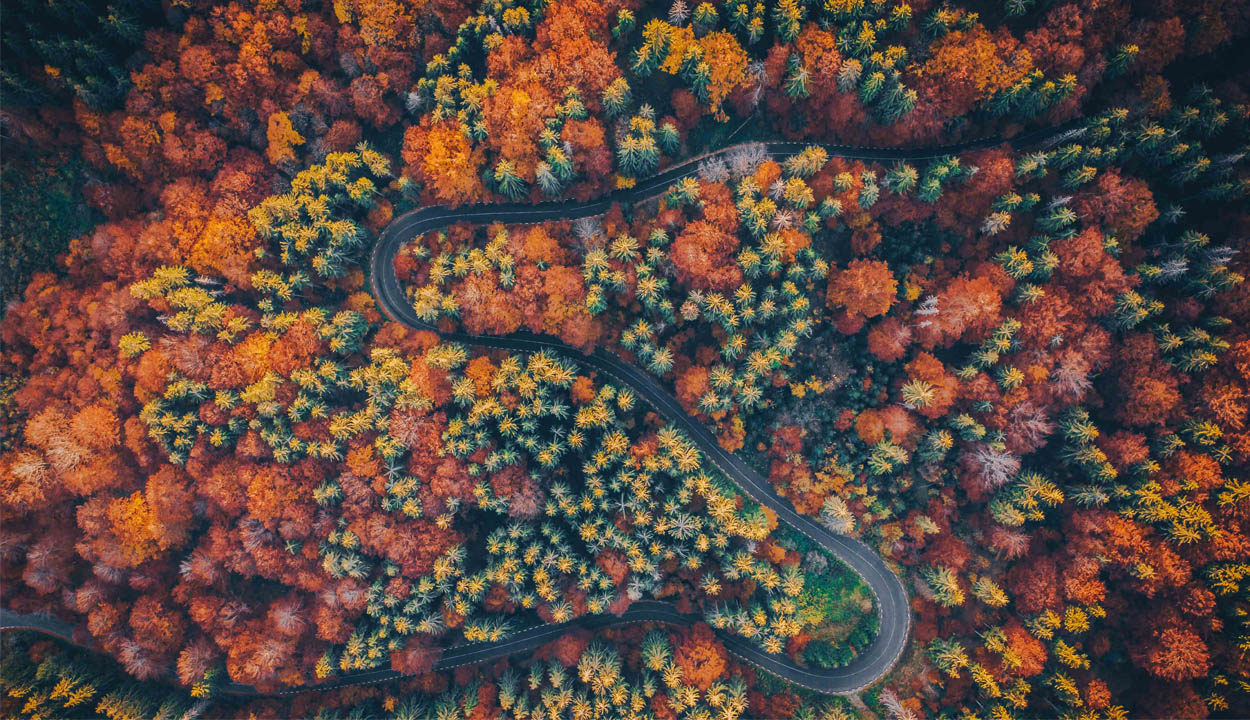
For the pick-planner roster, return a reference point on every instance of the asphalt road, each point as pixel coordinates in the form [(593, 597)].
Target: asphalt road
[(892, 603), (891, 596)]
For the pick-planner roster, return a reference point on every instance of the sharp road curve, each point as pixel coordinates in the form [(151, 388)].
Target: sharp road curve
[(892, 602), (891, 596)]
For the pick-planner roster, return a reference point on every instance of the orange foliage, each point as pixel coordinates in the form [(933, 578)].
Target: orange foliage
[(704, 256), (1148, 386), (728, 63), (1028, 649), (1173, 651), (967, 307), (970, 66), (450, 168), (865, 289), (701, 657), (870, 427), (133, 524), (927, 368), (691, 384), (888, 339), (282, 139), (217, 558), (1123, 206)]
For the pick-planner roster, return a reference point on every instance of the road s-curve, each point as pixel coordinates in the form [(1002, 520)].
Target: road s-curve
[(887, 587), (892, 603), (893, 609)]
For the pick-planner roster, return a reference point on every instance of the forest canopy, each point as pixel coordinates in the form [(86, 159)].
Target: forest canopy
[(963, 282)]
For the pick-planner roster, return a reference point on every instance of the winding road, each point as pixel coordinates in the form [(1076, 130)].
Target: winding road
[(891, 596)]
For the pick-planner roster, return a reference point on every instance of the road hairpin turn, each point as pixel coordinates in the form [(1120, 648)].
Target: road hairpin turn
[(891, 596)]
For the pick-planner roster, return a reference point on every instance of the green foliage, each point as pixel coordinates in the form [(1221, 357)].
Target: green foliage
[(81, 47), (616, 97), (948, 656), (544, 544), (939, 173), (1033, 95), (796, 82), (506, 181), (837, 606), (41, 679), (638, 153), (944, 585), (599, 686), (312, 224), (43, 210), (705, 17), (624, 23)]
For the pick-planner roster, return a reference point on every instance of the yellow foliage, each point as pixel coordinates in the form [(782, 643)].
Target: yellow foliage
[(452, 166), (282, 139), (728, 63), (133, 525), (225, 245)]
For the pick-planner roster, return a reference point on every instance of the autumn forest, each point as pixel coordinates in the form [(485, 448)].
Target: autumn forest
[(485, 359)]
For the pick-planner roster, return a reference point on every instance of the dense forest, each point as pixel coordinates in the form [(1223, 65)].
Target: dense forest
[(963, 281)]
